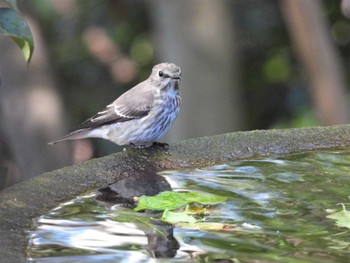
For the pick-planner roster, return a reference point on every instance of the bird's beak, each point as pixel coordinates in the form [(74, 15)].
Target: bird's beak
[(176, 76)]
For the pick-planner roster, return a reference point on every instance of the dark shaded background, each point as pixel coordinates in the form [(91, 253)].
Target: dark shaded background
[(247, 64)]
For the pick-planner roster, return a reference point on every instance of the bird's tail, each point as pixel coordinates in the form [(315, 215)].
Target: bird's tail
[(74, 135)]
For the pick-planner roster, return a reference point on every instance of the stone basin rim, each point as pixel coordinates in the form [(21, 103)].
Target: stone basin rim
[(22, 202)]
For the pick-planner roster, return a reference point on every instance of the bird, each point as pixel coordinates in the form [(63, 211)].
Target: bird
[(141, 115)]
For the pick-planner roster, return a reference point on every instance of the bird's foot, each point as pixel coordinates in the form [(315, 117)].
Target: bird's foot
[(134, 146), (157, 145), (160, 145)]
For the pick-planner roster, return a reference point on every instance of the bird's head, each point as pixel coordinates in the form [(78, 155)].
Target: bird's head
[(166, 73)]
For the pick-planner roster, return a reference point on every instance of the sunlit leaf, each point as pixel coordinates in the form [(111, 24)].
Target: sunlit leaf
[(173, 200), (176, 217), (341, 218), (162, 201), (14, 26)]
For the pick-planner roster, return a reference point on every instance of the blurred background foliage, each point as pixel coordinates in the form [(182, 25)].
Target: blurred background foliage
[(89, 52)]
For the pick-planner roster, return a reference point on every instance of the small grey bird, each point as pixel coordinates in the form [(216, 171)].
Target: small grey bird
[(141, 115)]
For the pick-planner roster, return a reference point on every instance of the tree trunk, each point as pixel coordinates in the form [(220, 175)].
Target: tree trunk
[(199, 36), (310, 35)]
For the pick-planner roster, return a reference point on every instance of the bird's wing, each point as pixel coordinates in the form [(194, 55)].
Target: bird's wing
[(135, 103)]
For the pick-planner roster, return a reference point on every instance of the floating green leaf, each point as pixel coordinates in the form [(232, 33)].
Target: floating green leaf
[(341, 218), (176, 217), (14, 26), (162, 201), (173, 200)]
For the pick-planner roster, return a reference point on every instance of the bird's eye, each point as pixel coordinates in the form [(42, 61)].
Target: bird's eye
[(160, 73)]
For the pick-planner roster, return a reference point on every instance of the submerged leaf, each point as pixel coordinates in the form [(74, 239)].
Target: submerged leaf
[(203, 198), (208, 226), (342, 218), (173, 200), (14, 26)]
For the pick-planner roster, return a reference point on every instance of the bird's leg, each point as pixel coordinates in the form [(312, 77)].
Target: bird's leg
[(160, 145)]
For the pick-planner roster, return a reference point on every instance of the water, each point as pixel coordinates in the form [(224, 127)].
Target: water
[(276, 212)]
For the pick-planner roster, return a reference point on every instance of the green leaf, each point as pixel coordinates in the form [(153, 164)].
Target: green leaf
[(14, 26), (203, 198), (341, 218), (173, 200), (176, 217), (162, 201)]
